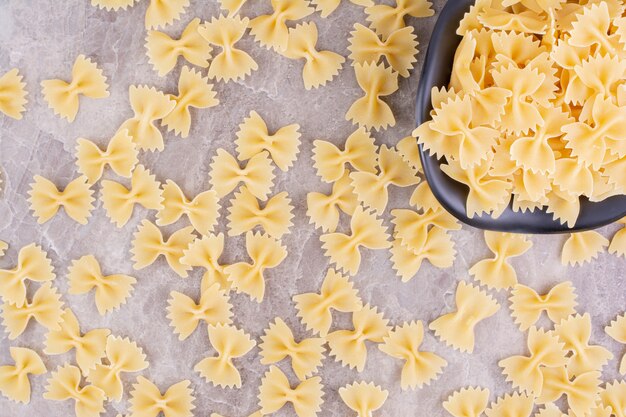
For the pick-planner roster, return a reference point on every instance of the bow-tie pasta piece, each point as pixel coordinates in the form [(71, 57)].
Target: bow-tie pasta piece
[(245, 213), (271, 30), (265, 252), (363, 397), (386, 19), (326, 7), (526, 21), (275, 392), (113, 4), (467, 402), (336, 293), (119, 201), (87, 80), (14, 379), (592, 28), (359, 151), (111, 291), (320, 66), (278, 343), (399, 49), (202, 210), (617, 331), (46, 199), (146, 399), (122, 356), (253, 138), (371, 111), (527, 306), (13, 94), (148, 244), (412, 229), (120, 155), (409, 150), (525, 372), (33, 264), (420, 368), (581, 391), (148, 105), (163, 51), (514, 405), (583, 247), (563, 206), (613, 396), (185, 314), (618, 242), (89, 347), (46, 308), (205, 253), (456, 329), (323, 210), (551, 410), (229, 343), (497, 272), (193, 91), (226, 175), (231, 63), (348, 346), (164, 12), (231, 6), (64, 384)]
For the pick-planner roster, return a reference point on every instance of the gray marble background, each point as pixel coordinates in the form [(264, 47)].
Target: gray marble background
[(42, 38)]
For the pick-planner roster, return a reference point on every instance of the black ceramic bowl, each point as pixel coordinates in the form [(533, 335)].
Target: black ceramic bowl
[(451, 194)]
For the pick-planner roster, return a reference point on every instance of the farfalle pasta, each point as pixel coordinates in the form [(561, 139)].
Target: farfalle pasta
[(275, 392), (527, 306), (386, 19), (467, 402), (324, 210), (13, 94), (613, 396), (231, 6), (419, 368), (320, 67), (363, 397), (45, 307), (163, 51), (514, 405), (278, 343), (111, 291), (46, 199), (412, 228), (146, 399), (164, 12), (581, 391), (582, 247), (245, 214), (348, 346), (617, 331), (120, 155), (33, 264), (271, 30), (226, 174), (326, 7), (65, 384), (230, 343), (14, 379), (205, 253), (202, 211)]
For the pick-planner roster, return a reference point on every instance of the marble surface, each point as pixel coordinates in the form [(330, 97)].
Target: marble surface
[(42, 38)]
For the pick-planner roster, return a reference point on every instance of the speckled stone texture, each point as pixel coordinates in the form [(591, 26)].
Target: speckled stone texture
[(42, 38)]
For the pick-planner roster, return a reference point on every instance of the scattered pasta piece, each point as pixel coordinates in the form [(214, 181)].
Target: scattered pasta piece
[(582, 247), (527, 306), (371, 111), (13, 94), (320, 66), (33, 264), (581, 391), (123, 356), (214, 308), (348, 346), (111, 291), (336, 293), (226, 175), (120, 154), (163, 51), (193, 91), (456, 329), (148, 244), (359, 151), (420, 368), (271, 30), (146, 399), (164, 12), (410, 152), (613, 395), (245, 213), (89, 347), (617, 331), (387, 19), (148, 105), (275, 392), (467, 402), (64, 384), (248, 278), (119, 201), (323, 210), (412, 229), (202, 210), (278, 343), (525, 372), (14, 379), (205, 253), (46, 199), (46, 308), (551, 410), (363, 397), (113, 4), (497, 272), (618, 243), (87, 80), (229, 342), (232, 63), (514, 405)]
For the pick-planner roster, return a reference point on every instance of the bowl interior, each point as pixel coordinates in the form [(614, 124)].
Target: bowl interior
[(451, 194)]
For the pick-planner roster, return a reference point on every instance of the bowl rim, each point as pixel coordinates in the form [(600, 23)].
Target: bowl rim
[(452, 195)]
